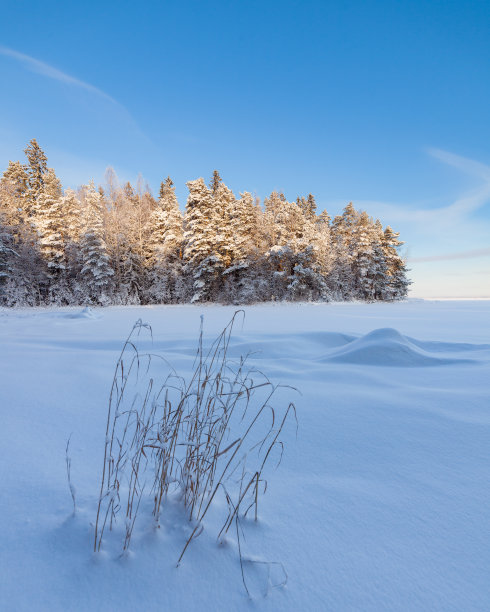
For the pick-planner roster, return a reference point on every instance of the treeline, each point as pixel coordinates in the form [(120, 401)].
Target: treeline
[(120, 245)]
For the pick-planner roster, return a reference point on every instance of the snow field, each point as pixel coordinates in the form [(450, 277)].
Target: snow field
[(380, 503)]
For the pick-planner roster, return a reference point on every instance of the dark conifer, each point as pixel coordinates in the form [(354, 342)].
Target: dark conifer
[(215, 182)]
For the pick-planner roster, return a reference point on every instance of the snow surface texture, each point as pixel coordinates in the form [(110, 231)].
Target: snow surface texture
[(381, 503)]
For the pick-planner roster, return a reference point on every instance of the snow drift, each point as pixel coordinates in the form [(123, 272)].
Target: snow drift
[(387, 347), (380, 502)]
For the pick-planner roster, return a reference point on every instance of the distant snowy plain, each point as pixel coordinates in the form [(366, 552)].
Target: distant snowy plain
[(381, 501)]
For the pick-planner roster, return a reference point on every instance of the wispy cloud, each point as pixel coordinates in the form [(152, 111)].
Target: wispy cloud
[(468, 166), (436, 231), (453, 256), (39, 67), (51, 72), (452, 215)]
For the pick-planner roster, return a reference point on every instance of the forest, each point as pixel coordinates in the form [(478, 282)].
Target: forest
[(112, 244)]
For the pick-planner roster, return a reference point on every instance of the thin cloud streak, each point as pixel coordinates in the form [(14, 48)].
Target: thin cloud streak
[(450, 215), (468, 166), (452, 256), (44, 69), (39, 67), (431, 234)]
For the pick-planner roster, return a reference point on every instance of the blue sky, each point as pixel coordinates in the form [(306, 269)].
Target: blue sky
[(382, 103)]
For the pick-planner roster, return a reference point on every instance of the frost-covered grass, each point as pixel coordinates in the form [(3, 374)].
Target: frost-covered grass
[(194, 438), (380, 503)]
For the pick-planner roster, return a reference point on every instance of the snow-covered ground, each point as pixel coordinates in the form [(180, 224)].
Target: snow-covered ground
[(381, 501)]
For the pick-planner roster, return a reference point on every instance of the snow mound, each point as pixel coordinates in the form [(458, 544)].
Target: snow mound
[(85, 313), (387, 347)]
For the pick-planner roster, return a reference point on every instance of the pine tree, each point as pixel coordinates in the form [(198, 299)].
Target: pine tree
[(164, 254), (362, 256), (166, 226), (72, 210), (215, 182), (166, 187), (307, 205), (48, 222), (71, 233), (226, 223), (323, 219), (311, 206), (119, 245), (287, 222), (19, 283), (321, 238), (201, 258), (36, 169), (302, 203), (6, 255), (13, 193), (245, 227), (96, 273), (306, 282), (396, 267), (338, 271), (344, 225), (243, 278), (379, 266)]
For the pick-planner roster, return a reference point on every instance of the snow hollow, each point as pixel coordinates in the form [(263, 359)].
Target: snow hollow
[(380, 502)]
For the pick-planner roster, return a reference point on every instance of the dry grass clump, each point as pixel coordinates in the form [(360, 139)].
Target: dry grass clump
[(215, 432)]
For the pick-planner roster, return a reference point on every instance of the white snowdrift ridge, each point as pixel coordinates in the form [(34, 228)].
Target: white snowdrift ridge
[(387, 347), (380, 503)]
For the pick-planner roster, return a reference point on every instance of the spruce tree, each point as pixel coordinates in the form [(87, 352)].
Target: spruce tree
[(14, 184), (307, 282), (226, 223), (96, 273), (202, 263), (166, 188), (396, 267), (362, 256), (323, 219), (49, 223), (164, 253), (379, 266), (36, 169), (71, 232), (7, 253), (311, 206), (215, 182), (120, 245)]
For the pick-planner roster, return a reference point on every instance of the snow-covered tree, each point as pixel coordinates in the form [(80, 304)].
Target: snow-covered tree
[(307, 205), (362, 256), (126, 214), (243, 280), (215, 182), (71, 233), (20, 269), (96, 273), (36, 170), (323, 219), (164, 249), (13, 185), (6, 255), (306, 281), (119, 245), (203, 263), (47, 216), (226, 224), (396, 267)]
